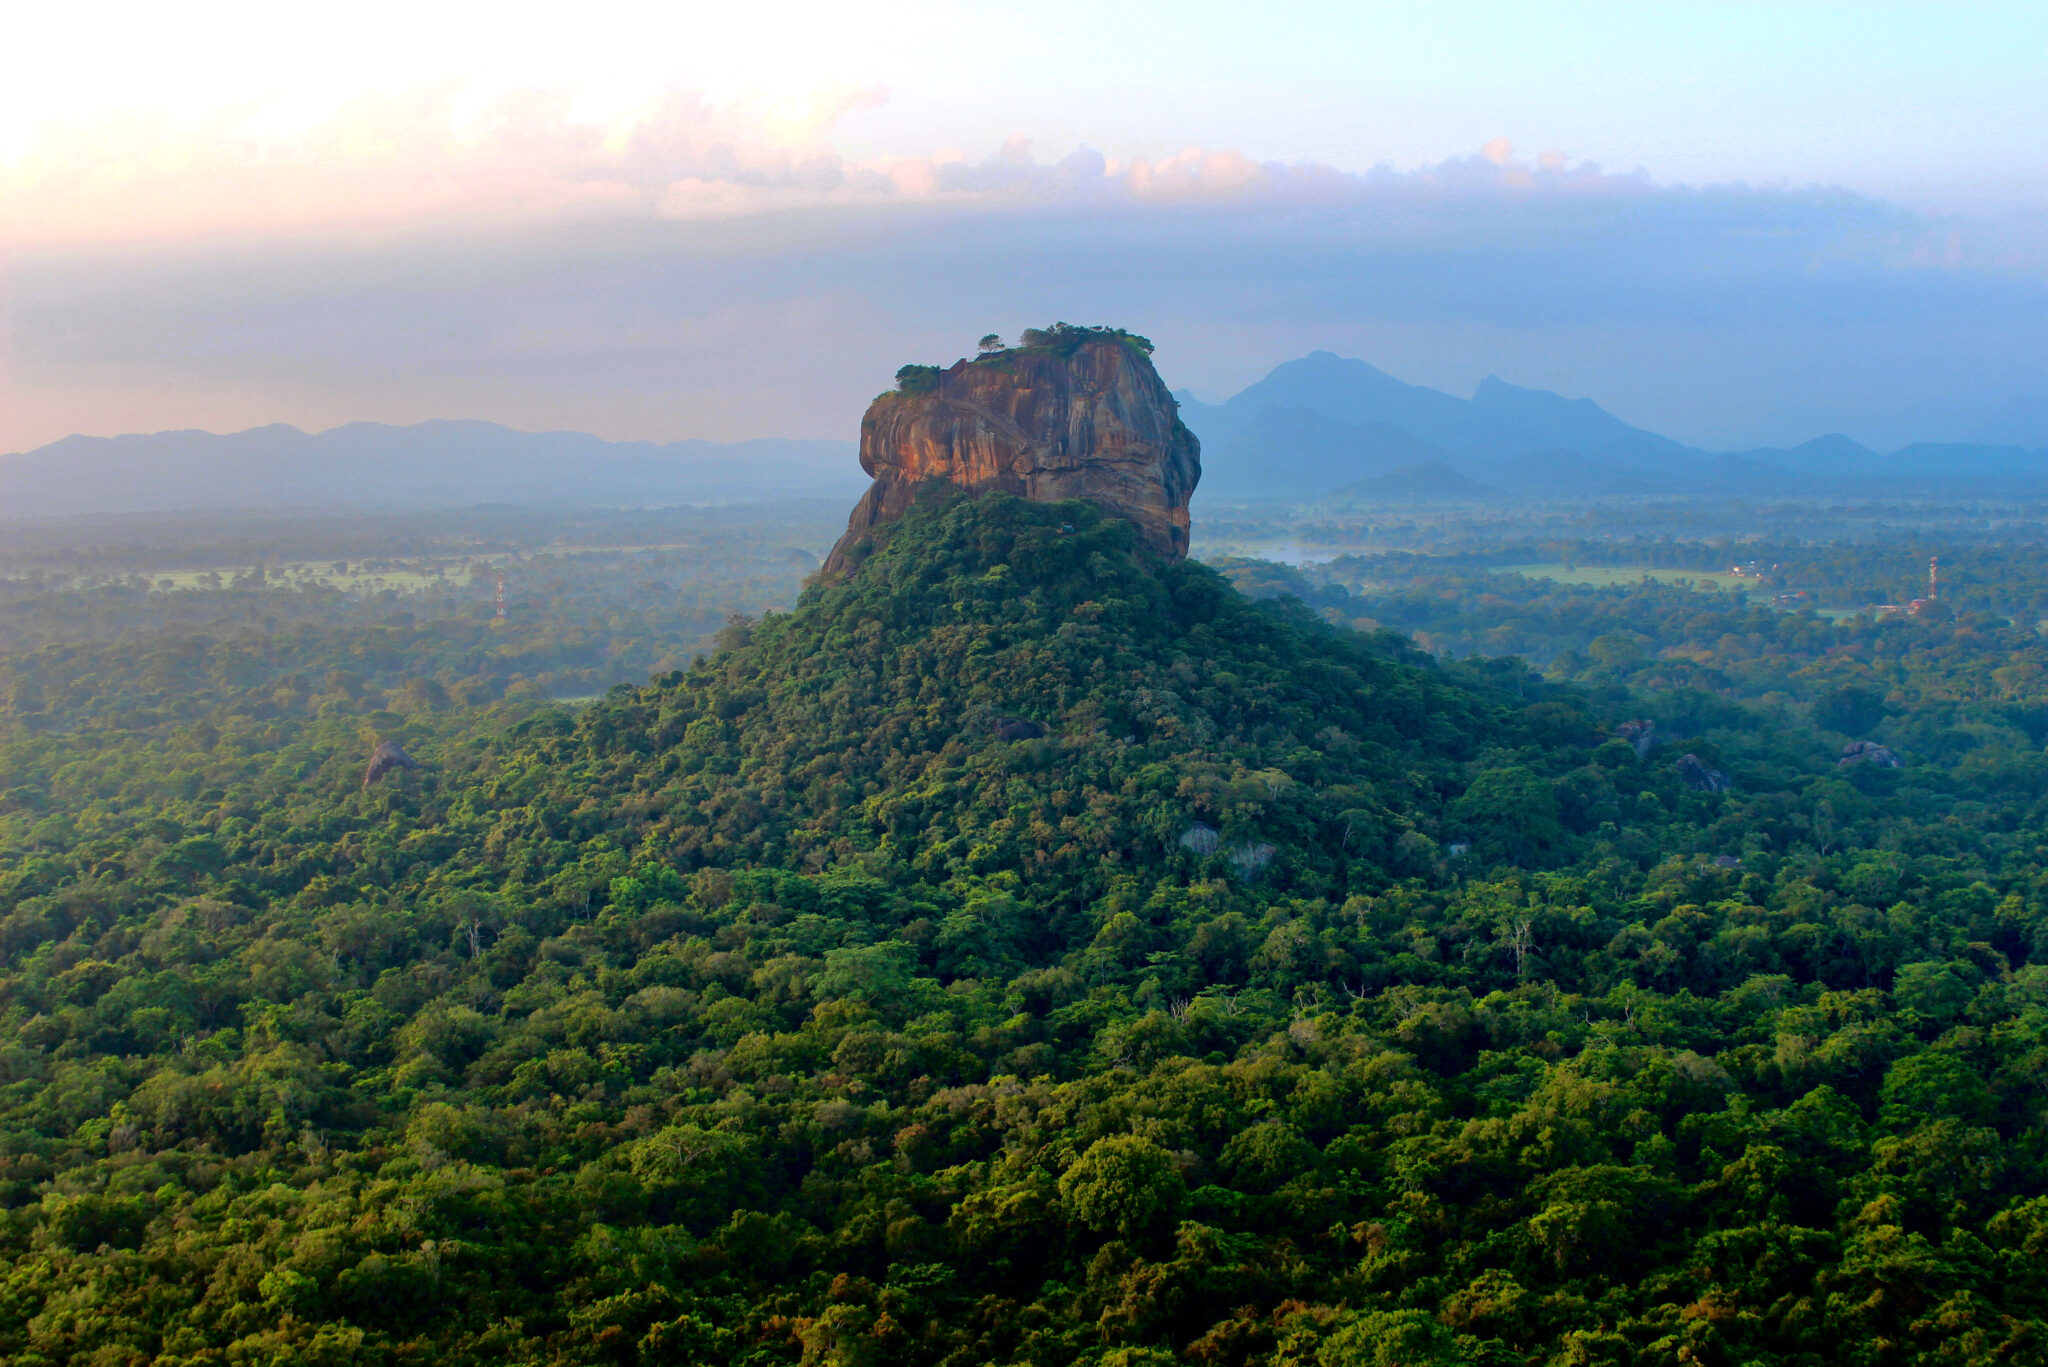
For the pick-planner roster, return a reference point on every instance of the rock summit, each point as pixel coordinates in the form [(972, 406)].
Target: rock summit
[(1070, 413)]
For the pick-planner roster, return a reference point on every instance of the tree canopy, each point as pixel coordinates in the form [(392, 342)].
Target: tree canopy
[(781, 1010)]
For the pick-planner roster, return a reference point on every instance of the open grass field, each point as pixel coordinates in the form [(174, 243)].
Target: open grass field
[(355, 577), (413, 576), (1605, 576)]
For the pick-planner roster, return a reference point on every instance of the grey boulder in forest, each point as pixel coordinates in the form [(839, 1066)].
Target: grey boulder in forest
[(388, 757)]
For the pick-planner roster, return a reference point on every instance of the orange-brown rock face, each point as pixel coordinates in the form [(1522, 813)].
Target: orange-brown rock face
[(1096, 423)]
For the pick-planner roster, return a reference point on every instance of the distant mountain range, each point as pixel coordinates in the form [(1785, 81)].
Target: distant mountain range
[(1328, 428), (1322, 430), (371, 466)]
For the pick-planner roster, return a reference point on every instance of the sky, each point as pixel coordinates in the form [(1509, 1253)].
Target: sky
[(1737, 224)]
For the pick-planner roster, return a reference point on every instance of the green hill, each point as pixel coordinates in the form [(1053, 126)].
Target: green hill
[(1022, 951), (861, 729)]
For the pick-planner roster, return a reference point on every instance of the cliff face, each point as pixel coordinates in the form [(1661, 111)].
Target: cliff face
[(1093, 421)]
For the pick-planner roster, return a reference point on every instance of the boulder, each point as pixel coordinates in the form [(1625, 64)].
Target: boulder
[(1871, 753), (1640, 734), (1700, 778), (1250, 859), (1016, 728), (387, 758), (1079, 413)]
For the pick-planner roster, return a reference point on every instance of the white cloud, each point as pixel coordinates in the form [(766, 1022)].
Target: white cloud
[(449, 154), (547, 255), (431, 154)]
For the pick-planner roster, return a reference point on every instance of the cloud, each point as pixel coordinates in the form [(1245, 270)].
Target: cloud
[(693, 267), (447, 157), (432, 154)]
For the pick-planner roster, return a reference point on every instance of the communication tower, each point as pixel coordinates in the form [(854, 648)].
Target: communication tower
[(501, 595), (1933, 577)]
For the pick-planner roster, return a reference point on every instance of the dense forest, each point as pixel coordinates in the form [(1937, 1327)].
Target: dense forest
[(1025, 951)]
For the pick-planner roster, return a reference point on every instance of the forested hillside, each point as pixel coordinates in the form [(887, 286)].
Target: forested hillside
[(1027, 951)]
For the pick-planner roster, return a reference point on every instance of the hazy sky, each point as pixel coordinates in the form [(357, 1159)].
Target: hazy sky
[(1729, 222)]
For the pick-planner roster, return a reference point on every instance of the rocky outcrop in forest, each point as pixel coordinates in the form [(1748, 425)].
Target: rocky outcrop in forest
[(1073, 413)]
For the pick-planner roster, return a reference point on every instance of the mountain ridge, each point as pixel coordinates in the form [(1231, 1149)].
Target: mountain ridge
[(1325, 423), (1500, 418), (380, 466), (1310, 427)]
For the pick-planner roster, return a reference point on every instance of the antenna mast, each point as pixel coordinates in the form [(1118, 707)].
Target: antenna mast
[(1933, 577), (501, 595)]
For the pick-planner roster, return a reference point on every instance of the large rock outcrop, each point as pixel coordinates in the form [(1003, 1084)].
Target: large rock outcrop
[(1079, 414)]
